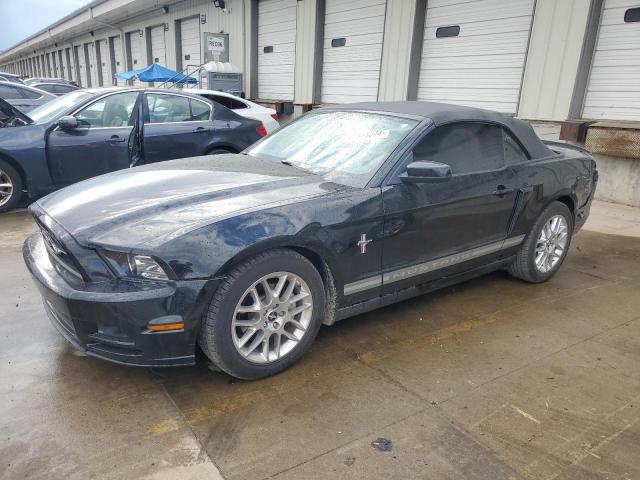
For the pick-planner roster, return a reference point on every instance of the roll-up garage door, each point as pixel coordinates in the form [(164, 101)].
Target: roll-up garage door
[(92, 68), (62, 71), (474, 52), (70, 64), (158, 47), (613, 90), (353, 33), (54, 64), (119, 63), (276, 49), (190, 42), (136, 52), (81, 66), (105, 62)]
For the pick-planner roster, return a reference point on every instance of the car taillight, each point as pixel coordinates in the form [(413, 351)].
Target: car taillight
[(274, 116), (261, 131)]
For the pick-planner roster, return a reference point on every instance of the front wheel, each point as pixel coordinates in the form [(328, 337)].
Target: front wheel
[(10, 187), (546, 246), (264, 316)]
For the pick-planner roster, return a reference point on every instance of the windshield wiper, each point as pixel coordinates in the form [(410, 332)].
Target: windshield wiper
[(286, 162)]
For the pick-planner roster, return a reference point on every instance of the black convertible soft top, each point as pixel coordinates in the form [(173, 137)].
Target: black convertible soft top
[(441, 113)]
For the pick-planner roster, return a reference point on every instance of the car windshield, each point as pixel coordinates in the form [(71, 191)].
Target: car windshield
[(51, 110), (344, 147)]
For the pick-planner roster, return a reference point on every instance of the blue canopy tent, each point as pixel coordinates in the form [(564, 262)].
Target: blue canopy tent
[(155, 73)]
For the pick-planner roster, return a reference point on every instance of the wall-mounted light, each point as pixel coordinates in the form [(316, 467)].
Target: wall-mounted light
[(219, 4), (91, 33), (166, 27), (203, 19), (165, 10)]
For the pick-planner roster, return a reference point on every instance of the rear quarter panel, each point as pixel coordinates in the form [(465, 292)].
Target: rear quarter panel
[(565, 175)]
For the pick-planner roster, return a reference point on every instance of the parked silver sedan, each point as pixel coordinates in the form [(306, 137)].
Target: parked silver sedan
[(23, 97)]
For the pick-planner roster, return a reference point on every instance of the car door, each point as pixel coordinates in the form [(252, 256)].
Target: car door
[(175, 126), (441, 228), (99, 144)]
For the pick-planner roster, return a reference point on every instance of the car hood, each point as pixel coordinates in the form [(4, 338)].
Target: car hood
[(144, 207), (9, 113)]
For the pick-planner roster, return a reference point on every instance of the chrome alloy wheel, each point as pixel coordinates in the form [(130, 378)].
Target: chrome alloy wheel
[(6, 188), (271, 317), (551, 243)]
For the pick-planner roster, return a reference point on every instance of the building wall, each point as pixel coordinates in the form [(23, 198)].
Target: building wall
[(556, 68)]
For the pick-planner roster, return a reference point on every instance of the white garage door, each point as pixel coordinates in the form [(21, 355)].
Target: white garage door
[(136, 52), (120, 64), (70, 60), (92, 69), (190, 42), (105, 62), (54, 64), (158, 47), (474, 52), (353, 34), (613, 90), (81, 70), (276, 49)]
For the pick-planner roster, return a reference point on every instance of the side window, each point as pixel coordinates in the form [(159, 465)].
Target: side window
[(48, 88), (237, 104), (513, 152), (112, 111), (222, 100), (168, 108), (200, 110), (63, 89), (466, 147), (30, 94), (9, 93)]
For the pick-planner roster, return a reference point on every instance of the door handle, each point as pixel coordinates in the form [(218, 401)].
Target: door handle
[(201, 130), (502, 191), (116, 139)]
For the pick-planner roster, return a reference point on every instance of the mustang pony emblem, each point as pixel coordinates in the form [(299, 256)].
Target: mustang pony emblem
[(363, 243)]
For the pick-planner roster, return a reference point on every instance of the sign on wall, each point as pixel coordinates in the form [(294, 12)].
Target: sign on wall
[(216, 47)]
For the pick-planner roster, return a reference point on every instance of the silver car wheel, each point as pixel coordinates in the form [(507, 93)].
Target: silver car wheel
[(551, 243), (6, 188), (272, 316)]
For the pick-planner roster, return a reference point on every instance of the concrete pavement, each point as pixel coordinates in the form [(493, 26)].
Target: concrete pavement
[(491, 379)]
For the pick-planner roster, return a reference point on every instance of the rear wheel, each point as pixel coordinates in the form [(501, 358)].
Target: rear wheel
[(264, 316), (218, 151), (10, 187), (546, 246)]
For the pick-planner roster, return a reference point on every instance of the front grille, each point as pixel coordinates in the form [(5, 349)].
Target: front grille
[(61, 259)]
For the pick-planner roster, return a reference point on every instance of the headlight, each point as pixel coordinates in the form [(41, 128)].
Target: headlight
[(147, 267), (132, 265)]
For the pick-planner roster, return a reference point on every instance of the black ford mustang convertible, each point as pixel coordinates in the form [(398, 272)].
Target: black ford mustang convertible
[(347, 209)]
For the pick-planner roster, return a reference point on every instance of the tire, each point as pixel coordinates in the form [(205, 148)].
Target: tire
[(218, 151), (219, 336), (524, 266), (9, 176)]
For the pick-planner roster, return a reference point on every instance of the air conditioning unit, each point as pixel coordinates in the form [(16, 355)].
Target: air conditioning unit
[(224, 77)]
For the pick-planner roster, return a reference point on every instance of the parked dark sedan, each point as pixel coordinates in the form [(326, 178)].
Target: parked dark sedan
[(90, 132), (345, 210)]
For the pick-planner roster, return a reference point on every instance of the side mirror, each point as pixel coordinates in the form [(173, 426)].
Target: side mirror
[(426, 172), (68, 122)]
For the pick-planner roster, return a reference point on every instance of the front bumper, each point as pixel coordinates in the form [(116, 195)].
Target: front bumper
[(109, 319)]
